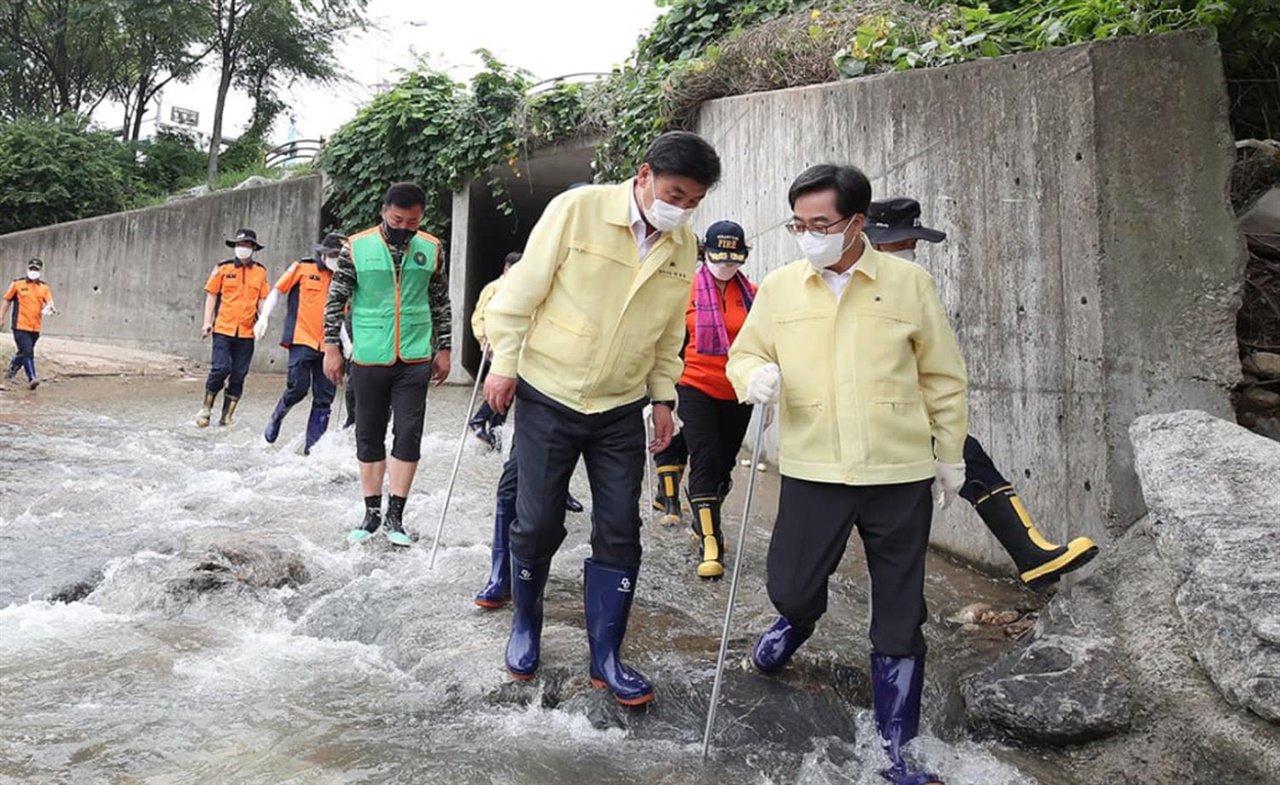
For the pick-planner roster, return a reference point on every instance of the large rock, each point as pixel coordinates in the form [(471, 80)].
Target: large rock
[(1213, 493), (1065, 687)]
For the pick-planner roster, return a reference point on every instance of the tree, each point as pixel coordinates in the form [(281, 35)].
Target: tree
[(160, 42), (259, 43), (58, 55), (59, 170)]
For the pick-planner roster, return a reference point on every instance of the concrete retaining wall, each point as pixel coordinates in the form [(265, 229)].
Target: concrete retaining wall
[(1092, 265), (136, 279)]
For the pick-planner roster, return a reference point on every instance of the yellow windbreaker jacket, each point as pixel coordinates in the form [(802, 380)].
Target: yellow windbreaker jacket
[(873, 386), (482, 302), (582, 318)]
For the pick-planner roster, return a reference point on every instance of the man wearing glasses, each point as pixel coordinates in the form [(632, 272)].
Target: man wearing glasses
[(856, 346)]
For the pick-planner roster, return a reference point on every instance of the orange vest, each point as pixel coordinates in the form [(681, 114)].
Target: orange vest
[(239, 288), (705, 372), (28, 298)]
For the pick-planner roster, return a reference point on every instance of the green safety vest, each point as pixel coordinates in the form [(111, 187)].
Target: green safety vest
[(391, 319)]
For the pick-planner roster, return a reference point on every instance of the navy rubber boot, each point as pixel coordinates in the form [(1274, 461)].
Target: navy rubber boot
[(778, 643), (896, 687), (572, 504), (524, 647), (498, 591), (317, 424), (607, 594), (276, 420)]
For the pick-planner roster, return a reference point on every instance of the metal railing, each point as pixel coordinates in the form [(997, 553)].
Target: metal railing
[(299, 151)]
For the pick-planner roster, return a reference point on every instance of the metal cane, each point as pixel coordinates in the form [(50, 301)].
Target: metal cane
[(457, 461), (733, 585), (648, 468)]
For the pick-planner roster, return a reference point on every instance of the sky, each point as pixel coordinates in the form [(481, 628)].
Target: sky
[(550, 38)]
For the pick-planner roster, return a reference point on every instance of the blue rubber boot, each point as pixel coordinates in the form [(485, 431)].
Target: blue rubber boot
[(275, 421), (778, 643), (607, 594), (317, 424), (498, 591), (524, 647), (30, 365), (896, 687)]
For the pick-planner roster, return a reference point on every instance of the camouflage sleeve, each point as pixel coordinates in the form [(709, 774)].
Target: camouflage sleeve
[(441, 311), (341, 288)]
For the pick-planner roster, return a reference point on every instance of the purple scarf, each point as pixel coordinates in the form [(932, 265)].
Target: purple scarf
[(709, 334)]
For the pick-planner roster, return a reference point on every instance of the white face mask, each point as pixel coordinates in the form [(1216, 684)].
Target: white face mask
[(723, 271), (33, 275), (906, 253), (331, 262), (823, 250), (664, 216), (243, 252)]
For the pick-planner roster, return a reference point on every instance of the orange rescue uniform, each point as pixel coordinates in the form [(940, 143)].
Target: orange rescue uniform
[(238, 288), (306, 285), (706, 372), (29, 299)]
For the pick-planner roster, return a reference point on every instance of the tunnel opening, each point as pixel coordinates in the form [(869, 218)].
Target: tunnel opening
[(484, 233)]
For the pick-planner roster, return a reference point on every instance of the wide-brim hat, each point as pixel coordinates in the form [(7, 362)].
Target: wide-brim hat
[(245, 236), (894, 220), (330, 244), (726, 242)]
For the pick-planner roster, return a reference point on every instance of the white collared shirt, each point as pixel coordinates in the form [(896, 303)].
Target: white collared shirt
[(838, 281), (644, 240)]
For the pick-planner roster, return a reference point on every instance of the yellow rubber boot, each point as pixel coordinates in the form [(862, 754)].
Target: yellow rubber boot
[(206, 414), (1040, 562), (668, 497), (228, 409), (706, 529)]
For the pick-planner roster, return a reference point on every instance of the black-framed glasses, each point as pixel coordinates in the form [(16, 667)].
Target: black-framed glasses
[(800, 227)]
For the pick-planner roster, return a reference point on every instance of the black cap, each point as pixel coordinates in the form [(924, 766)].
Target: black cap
[(245, 236), (330, 244), (894, 220), (34, 263), (726, 242)]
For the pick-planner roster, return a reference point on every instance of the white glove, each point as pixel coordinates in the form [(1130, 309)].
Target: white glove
[(264, 315), (765, 384), (947, 482), (49, 310), (345, 340)]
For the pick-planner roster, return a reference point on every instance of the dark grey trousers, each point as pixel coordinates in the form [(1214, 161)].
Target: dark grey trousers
[(549, 439), (814, 522)]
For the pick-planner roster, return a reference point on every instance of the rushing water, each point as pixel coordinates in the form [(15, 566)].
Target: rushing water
[(177, 662)]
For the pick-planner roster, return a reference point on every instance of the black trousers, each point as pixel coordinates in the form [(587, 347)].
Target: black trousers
[(814, 522), (980, 473), (549, 439), (713, 430), (508, 483), (231, 358), (387, 391), (25, 340), (306, 373)]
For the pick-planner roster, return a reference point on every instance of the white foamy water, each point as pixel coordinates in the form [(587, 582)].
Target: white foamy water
[(184, 664)]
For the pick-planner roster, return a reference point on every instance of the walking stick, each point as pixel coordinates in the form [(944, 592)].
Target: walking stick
[(733, 585), (462, 443), (648, 469)]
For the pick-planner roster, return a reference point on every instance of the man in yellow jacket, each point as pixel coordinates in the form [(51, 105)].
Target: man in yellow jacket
[(585, 331), (485, 420), (856, 346)]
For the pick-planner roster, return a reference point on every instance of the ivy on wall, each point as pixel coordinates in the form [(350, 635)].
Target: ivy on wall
[(440, 133)]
